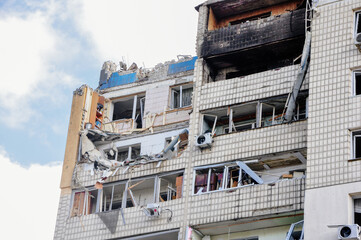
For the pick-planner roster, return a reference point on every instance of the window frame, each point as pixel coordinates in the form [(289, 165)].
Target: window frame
[(125, 194), (354, 73), (173, 91), (354, 134), (357, 19), (227, 165)]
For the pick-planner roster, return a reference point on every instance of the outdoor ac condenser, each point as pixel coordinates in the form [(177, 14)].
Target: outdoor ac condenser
[(350, 232), (204, 140), (152, 210)]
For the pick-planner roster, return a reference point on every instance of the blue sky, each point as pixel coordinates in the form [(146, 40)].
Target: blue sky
[(48, 48), (69, 41)]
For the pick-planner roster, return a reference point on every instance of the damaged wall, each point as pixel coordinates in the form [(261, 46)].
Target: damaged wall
[(237, 37), (72, 142), (214, 23)]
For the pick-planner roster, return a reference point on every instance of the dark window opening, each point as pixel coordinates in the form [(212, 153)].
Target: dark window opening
[(130, 108), (357, 83), (256, 17), (357, 210), (357, 144)]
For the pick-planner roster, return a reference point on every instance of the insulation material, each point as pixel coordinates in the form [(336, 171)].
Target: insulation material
[(182, 66), (116, 79)]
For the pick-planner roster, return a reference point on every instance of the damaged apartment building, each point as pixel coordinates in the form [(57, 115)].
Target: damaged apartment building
[(258, 137)]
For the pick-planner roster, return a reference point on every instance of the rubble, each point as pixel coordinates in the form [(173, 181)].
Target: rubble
[(95, 160)]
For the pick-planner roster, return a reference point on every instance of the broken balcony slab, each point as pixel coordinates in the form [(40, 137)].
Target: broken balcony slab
[(110, 77), (226, 8)]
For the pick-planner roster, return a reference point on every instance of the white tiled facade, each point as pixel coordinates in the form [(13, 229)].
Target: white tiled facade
[(333, 114), (324, 197)]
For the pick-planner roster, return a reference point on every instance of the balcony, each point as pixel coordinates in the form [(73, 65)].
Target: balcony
[(247, 202), (275, 40)]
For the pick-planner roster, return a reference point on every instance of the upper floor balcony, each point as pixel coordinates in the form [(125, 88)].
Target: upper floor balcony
[(255, 46)]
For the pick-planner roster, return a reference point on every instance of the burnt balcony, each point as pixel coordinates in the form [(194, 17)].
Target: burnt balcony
[(256, 46)]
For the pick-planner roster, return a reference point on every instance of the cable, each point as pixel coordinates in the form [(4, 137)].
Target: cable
[(171, 215)]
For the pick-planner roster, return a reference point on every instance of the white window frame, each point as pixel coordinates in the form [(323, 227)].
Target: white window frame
[(130, 147), (99, 202), (241, 165), (141, 97), (357, 18), (354, 135), (354, 73), (173, 92)]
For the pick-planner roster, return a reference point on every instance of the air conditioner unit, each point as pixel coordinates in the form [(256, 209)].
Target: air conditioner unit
[(204, 140), (350, 232), (152, 210)]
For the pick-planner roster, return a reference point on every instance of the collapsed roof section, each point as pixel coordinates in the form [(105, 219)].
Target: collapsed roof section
[(111, 77)]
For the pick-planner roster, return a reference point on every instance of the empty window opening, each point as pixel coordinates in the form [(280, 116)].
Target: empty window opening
[(356, 139), (253, 18), (130, 108), (357, 210), (357, 82), (84, 203), (112, 197), (223, 176), (131, 193), (170, 187), (142, 191), (123, 153), (263, 113), (181, 96)]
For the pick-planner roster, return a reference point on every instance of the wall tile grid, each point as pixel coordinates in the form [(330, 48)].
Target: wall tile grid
[(251, 143), (249, 88), (61, 219), (257, 200), (92, 227), (332, 108)]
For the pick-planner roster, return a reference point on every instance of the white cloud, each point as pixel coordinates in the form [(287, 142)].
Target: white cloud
[(29, 199), (30, 52), (140, 31)]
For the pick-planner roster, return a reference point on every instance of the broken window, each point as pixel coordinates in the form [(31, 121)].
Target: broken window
[(170, 186), (130, 108), (142, 191), (84, 203), (123, 153), (131, 193), (112, 197), (356, 78), (181, 96), (223, 176), (296, 231), (356, 144), (262, 113)]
